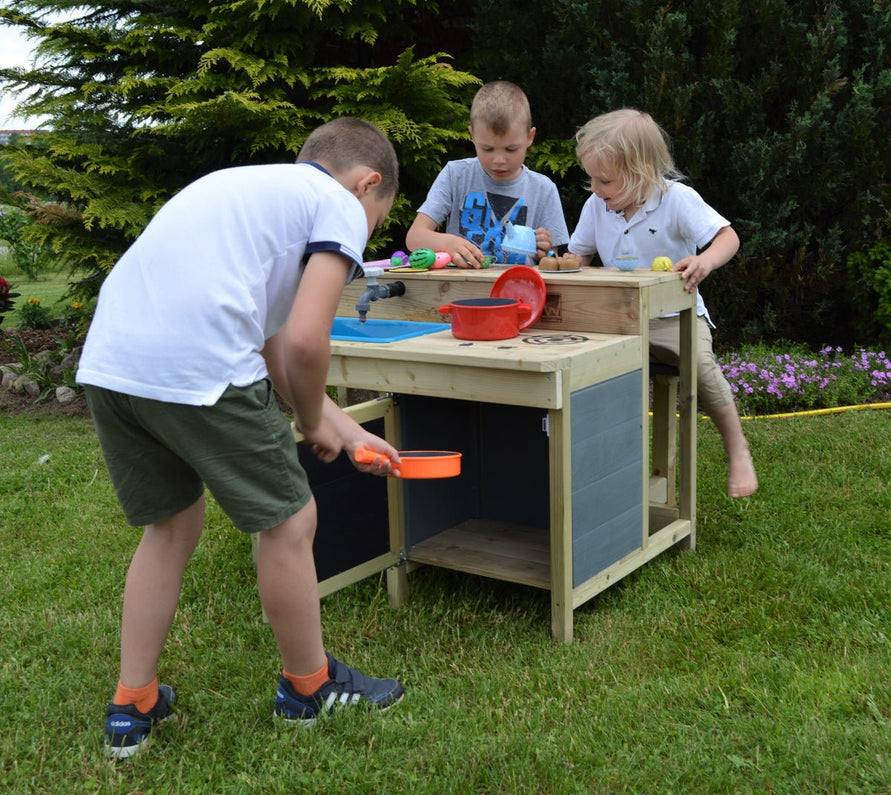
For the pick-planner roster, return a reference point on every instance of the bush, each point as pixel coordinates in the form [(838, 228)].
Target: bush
[(7, 304), (33, 258), (34, 316), (869, 275)]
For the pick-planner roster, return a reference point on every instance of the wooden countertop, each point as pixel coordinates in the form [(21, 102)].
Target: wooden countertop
[(531, 369)]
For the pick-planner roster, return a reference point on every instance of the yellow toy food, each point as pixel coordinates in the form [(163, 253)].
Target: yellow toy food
[(662, 264)]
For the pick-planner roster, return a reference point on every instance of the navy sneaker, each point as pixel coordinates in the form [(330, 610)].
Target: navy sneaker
[(345, 687), (127, 729)]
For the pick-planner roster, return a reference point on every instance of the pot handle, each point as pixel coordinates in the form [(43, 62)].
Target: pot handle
[(524, 311), (445, 310)]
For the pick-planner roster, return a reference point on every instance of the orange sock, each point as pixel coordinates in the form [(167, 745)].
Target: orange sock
[(307, 685), (143, 698)]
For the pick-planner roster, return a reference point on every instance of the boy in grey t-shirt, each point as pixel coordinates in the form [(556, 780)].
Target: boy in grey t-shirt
[(475, 198)]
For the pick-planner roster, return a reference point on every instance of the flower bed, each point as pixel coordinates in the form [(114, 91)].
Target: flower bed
[(766, 382)]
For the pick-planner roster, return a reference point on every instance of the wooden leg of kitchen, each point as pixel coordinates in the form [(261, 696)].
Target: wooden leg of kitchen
[(663, 475), (560, 446), (397, 586), (561, 617), (687, 431)]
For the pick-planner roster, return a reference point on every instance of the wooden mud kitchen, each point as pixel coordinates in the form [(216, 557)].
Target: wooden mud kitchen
[(566, 485)]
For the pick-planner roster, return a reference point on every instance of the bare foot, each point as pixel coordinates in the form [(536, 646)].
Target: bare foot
[(741, 480)]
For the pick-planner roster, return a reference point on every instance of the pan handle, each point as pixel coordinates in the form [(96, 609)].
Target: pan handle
[(365, 456)]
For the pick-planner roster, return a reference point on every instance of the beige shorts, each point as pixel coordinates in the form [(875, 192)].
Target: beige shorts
[(712, 388)]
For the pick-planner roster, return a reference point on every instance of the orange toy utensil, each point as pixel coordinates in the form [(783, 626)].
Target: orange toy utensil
[(418, 464)]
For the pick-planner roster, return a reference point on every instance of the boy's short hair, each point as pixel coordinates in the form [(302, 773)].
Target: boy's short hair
[(342, 144), (499, 105), (639, 148)]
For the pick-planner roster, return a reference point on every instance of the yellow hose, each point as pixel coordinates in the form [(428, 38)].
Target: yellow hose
[(809, 413), (816, 412)]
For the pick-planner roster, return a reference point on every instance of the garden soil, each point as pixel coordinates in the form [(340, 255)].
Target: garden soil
[(36, 340)]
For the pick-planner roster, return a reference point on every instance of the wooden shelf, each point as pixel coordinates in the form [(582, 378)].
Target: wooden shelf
[(502, 551)]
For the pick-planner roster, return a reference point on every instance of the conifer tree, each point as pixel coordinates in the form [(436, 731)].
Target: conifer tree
[(144, 96)]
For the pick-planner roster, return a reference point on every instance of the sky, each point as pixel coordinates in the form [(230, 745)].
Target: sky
[(15, 50)]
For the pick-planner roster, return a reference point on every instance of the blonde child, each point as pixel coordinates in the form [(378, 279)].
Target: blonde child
[(476, 197), (231, 290), (638, 208)]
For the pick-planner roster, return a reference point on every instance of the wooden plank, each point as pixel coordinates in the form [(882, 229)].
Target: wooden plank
[(687, 430), (357, 573), (668, 297), (662, 515), (560, 442), (665, 434), (534, 351), (595, 298), (607, 363), (658, 489), (455, 382), (491, 549)]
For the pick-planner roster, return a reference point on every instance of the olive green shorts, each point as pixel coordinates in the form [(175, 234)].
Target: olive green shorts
[(160, 456)]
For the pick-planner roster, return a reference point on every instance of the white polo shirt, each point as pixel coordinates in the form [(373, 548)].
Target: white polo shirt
[(187, 309), (673, 224)]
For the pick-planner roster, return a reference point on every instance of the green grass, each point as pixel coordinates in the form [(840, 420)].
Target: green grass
[(50, 288), (756, 664)]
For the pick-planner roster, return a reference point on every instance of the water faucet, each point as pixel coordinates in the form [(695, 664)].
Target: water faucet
[(375, 291)]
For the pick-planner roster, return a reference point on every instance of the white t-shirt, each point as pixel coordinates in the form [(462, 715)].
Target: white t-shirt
[(673, 224), (186, 310), (477, 207)]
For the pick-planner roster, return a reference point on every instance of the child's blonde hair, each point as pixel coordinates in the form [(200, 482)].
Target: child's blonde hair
[(347, 142), (636, 145), (499, 105)]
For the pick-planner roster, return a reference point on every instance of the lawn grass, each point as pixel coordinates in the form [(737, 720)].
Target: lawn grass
[(758, 663), (50, 288)]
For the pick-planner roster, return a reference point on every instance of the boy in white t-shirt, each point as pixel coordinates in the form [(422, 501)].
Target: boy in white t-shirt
[(231, 290), (476, 198), (639, 210)]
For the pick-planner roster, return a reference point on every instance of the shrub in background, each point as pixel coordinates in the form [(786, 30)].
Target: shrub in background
[(33, 315), (869, 279), (7, 296), (778, 115), (32, 257), (777, 110)]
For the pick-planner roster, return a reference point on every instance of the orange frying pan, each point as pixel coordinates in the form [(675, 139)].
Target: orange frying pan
[(418, 464)]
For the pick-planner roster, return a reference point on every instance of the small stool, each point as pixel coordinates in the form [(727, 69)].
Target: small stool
[(663, 472)]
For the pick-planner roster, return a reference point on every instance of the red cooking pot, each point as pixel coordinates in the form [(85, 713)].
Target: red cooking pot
[(487, 318)]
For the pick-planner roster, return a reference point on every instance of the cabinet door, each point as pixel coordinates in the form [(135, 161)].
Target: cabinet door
[(354, 539)]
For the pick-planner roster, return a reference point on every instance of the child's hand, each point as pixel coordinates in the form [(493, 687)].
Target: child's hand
[(384, 465), (464, 253), (325, 440), (543, 243), (693, 270)]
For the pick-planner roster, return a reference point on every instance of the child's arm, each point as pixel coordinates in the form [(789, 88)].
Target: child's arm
[(423, 234), (719, 252), (297, 356), (584, 259)]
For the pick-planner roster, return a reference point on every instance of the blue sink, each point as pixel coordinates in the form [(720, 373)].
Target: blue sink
[(349, 329)]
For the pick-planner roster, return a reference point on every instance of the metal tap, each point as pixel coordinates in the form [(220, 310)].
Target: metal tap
[(375, 291)]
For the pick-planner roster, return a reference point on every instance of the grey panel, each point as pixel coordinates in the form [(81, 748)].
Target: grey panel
[(607, 474)]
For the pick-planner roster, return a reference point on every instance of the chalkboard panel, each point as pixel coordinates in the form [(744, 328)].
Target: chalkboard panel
[(353, 525)]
